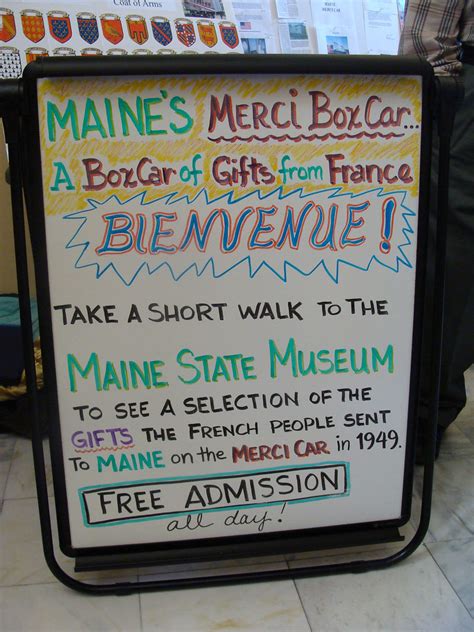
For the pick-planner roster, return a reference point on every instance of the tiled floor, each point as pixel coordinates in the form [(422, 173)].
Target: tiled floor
[(431, 590)]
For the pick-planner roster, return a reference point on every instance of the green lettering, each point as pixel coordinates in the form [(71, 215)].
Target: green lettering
[(143, 374), (103, 462), (90, 112), (62, 177), (110, 377), (156, 373), (124, 463), (378, 360), (149, 117), (340, 358), (311, 368), (189, 121), (70, 115), (144, 460), (220, 370), (187, 365), (248, 368), (92, 365), (276, 356), (157, 458), (136, 117), (363, 367), (204, 359), (322, 357), (110, 119)]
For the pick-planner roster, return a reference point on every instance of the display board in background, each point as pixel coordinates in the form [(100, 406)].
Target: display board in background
[(347, 27), (231, 263), (31, 30)]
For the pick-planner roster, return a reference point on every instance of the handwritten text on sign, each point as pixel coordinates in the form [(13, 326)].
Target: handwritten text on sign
[(232, 267)]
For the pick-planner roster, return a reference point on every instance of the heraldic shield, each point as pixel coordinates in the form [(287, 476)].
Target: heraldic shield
[(207, 33), (185, 31), (117, 51), (59, 26), (10, 62), (137, 28), (91, 52), (7, 25), (64, 51), (161, 28), (33, 25), (34, 52), (88, 27), (229, 34), (112, 27)]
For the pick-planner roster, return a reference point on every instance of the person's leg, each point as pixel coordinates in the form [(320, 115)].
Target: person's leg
[(458, 335)]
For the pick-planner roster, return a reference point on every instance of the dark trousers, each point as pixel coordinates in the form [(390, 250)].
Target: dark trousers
[(458, 334)]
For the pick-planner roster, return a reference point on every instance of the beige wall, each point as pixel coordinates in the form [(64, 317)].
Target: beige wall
[(8, 281)]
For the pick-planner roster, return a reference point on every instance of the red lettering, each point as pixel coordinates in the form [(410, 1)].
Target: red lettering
[(368, 110), (275, 116), (275, 452), (305, 449), (340, 118), (260, 112), (404, 173), (93, 172), (221, 113), (224, 177), (320, 103), (241, 113), (253, 453)]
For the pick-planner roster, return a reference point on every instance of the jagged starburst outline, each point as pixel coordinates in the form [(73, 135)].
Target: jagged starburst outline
[(170, 199)]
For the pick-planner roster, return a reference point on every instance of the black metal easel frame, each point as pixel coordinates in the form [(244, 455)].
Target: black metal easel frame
[(13, 110)]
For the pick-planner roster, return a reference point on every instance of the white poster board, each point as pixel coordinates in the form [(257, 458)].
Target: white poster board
[(232, 265)]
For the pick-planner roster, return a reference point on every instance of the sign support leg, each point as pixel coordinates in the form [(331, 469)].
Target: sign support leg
[(449, 93), (9, 111)]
